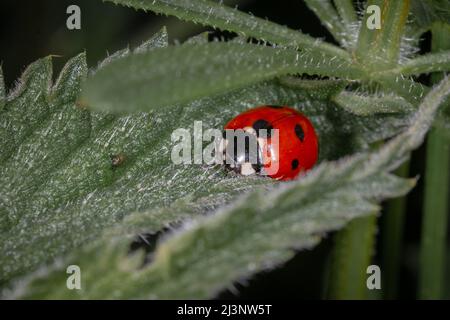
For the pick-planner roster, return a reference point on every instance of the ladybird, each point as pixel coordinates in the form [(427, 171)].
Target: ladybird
[(293, 149)]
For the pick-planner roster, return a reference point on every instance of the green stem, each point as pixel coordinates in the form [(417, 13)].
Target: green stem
[(392, 224), (354, 246), (435, 209)]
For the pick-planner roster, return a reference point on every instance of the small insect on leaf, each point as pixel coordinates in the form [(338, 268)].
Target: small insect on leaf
[(117, 159)]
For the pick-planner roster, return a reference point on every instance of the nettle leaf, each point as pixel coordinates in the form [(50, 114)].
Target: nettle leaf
[(259, 231), (59, 185), (178, 74), (427, 12), (363, 104), (347, 13), (317, 89), (30, 102), (431, 62), (217, 15), (201, 38), (330, 19), (380, 48), (158, 40), (405, 87)]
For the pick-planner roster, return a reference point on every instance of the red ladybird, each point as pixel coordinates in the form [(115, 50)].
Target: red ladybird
[(295, 150)]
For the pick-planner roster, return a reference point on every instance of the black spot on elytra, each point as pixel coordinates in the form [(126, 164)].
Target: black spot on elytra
[(294, 164), (299, 132), (262, 124), (275, 107)]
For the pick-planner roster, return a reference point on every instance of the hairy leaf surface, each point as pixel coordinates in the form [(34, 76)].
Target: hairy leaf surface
[(59, 188), (179, 74), (254, 233)]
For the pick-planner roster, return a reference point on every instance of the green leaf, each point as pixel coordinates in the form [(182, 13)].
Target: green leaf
[(317, 89), (158, 40), (28, 106), (330, 19), (113, 57), (179, 74), (405, 87), (431, 62), (364, 105), (254, 233), (201, 38), (347, 12), (380, 48), (60, 189), (427, 12), (210, 253), (217, 15)]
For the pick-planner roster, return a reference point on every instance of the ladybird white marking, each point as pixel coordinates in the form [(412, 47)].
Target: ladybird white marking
[(250, 130), (261, 143), (247, 169)]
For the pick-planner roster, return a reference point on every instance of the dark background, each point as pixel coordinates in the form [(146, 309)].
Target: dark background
[(30, 29)]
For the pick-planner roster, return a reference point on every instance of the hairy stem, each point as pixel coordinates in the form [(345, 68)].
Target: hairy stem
[(353, 251), (435, 209), (393, 223)]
